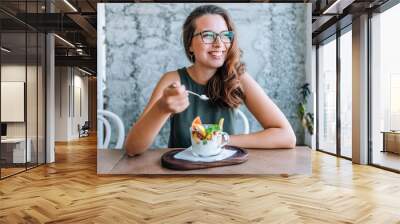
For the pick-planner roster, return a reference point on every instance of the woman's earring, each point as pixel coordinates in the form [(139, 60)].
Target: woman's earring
[(191, 54)]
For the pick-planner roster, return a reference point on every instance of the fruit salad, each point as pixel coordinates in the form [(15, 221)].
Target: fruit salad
[(203, 133)]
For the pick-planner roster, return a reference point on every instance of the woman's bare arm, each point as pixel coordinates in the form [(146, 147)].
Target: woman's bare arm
[(277, 132), (154, 116)]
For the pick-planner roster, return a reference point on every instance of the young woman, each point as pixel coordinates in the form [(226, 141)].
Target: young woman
[(210, 44)]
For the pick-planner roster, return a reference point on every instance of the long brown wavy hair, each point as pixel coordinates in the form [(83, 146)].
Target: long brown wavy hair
[(224, 87)]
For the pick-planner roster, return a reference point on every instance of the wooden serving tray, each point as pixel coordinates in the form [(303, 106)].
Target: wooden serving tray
[(169, 161)]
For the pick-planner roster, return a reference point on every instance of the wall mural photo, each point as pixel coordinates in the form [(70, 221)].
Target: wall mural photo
[(188, 87)]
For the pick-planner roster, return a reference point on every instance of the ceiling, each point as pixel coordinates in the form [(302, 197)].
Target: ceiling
[(76, 20)]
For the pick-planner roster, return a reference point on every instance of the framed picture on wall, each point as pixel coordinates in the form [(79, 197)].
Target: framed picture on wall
[(12, 101)]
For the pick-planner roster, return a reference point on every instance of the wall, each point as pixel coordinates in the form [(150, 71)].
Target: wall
[(79, 110), (70, 83), (275, 39), (61, 103)]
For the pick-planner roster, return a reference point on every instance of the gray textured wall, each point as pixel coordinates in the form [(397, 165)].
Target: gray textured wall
[(143, 41)]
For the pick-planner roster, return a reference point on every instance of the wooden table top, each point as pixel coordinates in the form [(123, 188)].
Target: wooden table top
[(260, 162)]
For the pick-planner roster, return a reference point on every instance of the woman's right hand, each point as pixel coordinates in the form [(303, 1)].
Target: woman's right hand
[(174, 99)]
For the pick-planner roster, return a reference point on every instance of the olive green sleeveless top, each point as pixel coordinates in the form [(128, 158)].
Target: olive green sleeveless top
[(209, 114)]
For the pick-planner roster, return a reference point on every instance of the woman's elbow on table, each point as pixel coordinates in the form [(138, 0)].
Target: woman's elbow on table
[(291, 139), (133, 150), (130, 154), (286, 139)]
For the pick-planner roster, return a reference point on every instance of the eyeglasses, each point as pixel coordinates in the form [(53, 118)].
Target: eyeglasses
[(210, 37)]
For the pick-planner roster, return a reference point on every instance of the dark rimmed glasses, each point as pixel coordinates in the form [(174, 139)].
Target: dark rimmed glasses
[(210, 37)]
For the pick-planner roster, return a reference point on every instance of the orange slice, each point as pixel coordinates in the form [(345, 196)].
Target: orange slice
[(196, 121)]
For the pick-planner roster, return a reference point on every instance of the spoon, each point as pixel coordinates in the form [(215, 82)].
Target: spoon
[(202, 96)]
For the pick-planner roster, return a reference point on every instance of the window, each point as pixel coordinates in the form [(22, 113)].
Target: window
[(327, 96), (346, 94), (385, 88)]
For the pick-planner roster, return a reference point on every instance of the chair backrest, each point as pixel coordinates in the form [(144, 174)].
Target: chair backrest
[(86, 125), (242, 116), (101, 116)]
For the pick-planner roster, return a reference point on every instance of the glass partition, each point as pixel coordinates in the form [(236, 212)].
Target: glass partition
[(13, 107), (31, 100), (22, 77)]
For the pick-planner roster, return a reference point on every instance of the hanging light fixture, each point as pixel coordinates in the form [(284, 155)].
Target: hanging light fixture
[(64, 40), (5, 50), (84, 71), (70, 5)]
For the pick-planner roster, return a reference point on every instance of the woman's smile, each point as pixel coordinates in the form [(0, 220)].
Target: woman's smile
[(216, 54)]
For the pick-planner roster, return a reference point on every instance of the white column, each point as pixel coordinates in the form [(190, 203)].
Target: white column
[(50, 99), (360, 90), (50, 92)]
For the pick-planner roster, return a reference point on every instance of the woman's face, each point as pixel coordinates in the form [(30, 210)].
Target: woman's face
[(211, 55)]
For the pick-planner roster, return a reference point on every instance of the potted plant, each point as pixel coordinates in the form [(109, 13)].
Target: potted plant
[(306, 118)]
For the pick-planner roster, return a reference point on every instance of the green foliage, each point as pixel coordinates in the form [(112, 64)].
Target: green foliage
[(305, 91), (306, 118)]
